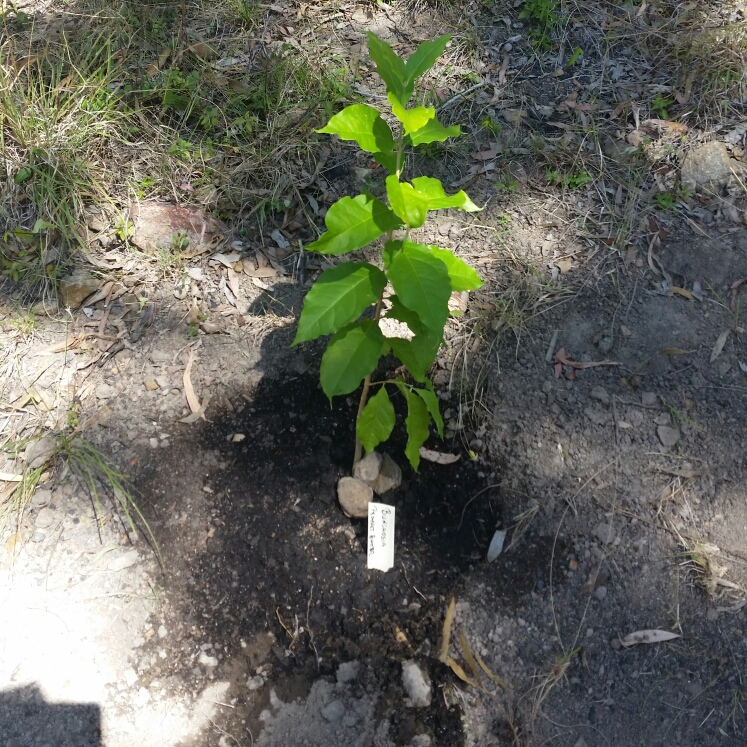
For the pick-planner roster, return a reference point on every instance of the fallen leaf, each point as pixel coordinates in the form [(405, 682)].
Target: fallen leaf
[(192, 401), (682, 292), (201, 50), (195, 416), (446, 632), (155, 67), (459, 672), (648, 636), (229, 260), (260, 272), (719, 346), (8, 477), (561, 358), (7, 491), (471, 663), (485, 155), (438, 457), (675, 351), (564, 265), (494, 677)]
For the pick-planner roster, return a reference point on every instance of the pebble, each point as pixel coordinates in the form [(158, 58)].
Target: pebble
[(151, 384), (597, 416), (254, 683), (650, 399), (45, 518), (615, 644), (41, 497), (354, 497), (162, 632), (40, 451), (369, 467), (206, 660), (601, 592), (416, 684), (334, 710), (106, 391), (668, 436), (123, 561), (348, 671), (601, 394), (606, 344), (130, 677), (605, 533), (707, 167), (153, 443)]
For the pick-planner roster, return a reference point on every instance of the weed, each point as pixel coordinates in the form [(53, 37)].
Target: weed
[(545, 15), (660, 105), (423, 277), (665, 201)]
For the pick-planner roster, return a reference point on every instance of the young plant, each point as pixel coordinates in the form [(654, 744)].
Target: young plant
[(422, 276)]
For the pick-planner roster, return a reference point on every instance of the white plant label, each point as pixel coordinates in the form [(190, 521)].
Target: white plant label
[(380, 536)]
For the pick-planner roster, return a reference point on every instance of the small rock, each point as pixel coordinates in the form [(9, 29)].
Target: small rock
[(668, 436), (625, 331), (142, 697), (40, 451), (650, 399), (41, 497), (417, 685), (349, 721), (605, 533), (348, 671), (209, 328), (130, 677), (106, 391), (254, 683), (38, 536), (354, 497), (496, 545), (75, 288), (580, 742), (600, 593), (151, 384), (421, 740), (606, 344), (615, 644), (597, 416), (712, 614), (123, 561), (601, 394), (706, 168), (45, 518), (206, 660), (162, 632), (333, 711), (390, 476), (369, 467), (153, 443)]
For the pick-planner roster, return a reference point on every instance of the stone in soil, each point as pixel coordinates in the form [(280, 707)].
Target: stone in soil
[(600, 393), (333, 711), (45, 518), (650, 399), (597, 416), (41, 497), (379, 471), (416, 684), (106, 391), (354, 496), (706, 168), (75, 288), (605, 533), (40, 451), (668, 436)]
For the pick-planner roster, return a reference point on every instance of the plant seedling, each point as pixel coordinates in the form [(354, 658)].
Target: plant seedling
[(422, 276)]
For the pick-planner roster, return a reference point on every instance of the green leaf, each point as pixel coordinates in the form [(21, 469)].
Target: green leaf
[(390, 252), (23, 174), (412, 119), (462, 276), (424, 57), (438, 199), (338, 297), (389, 66), (416, 423), (428, 396), (376, 421), (387, 160), (351, 355), (417, 354), (421, 282), (432, 131), (362, 123), (409, 204), (353, 222)]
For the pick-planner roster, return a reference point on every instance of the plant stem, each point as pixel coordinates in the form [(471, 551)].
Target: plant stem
[(364, 393)]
